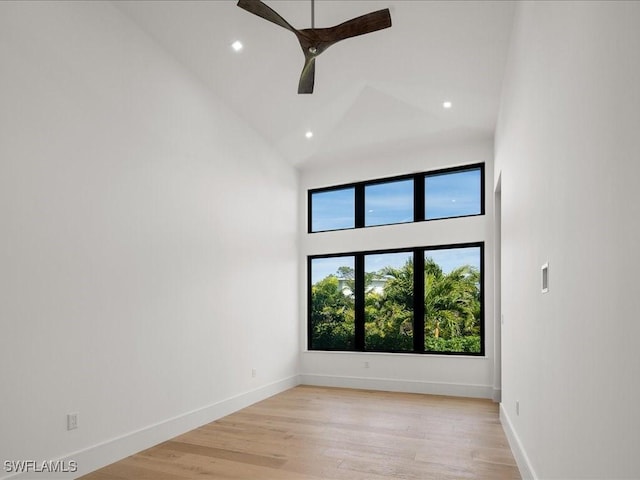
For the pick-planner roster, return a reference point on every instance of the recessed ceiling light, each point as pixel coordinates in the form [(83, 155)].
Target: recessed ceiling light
[(309, 134), (447, 104), (237, 45)]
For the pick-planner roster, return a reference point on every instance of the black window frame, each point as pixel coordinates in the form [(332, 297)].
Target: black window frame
[(419, 207), (418, 298)]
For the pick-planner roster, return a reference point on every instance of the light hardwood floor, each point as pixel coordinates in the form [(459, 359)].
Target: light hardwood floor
[(312, 433)]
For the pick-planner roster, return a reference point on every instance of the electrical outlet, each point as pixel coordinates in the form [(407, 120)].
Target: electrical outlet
[(366, 364), (518, 407), (72, 421), (254, 373)]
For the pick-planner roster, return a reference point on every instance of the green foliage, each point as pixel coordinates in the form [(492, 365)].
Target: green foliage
[(452, 310), (468, 344), (332, 315), (333, 336)]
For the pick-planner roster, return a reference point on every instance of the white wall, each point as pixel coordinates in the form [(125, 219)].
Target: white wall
[(137, 217), (567, 149), (457, 375)]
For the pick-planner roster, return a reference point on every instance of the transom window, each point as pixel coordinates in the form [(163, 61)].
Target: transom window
[(435, 195), (453, 194), (333, 209), (386, 203)]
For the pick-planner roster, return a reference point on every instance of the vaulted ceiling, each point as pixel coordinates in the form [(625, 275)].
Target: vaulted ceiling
[(374, 94)]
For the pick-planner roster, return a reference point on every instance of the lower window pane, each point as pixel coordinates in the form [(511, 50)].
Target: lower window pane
[(388, 302), (332, 304), (452, 300)]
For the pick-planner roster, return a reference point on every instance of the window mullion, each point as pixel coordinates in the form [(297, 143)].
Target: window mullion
[(418, 300), (359, 301), (418, 198), (359, 205)]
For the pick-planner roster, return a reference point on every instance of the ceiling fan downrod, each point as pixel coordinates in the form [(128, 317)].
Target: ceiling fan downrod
[(313, 50)]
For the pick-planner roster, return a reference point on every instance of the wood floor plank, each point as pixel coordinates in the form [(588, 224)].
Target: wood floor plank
[(318, 433), (223, 453)]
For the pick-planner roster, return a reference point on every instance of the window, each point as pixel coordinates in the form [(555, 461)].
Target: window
[(388, 300), (332, 209), (419, 300), (389, 202), (331, 306), (453, 192), (452, 299)]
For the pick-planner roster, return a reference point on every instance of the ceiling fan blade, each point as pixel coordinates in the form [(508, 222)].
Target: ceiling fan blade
[(307, 77), (260, 9), (371, 22)]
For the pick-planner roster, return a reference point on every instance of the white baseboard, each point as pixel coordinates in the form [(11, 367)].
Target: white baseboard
[(497, 395), (394, 385), (526, 470), (105, 453)]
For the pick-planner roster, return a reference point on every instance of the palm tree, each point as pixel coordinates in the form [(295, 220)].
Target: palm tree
[(452, 301), (389, 314)]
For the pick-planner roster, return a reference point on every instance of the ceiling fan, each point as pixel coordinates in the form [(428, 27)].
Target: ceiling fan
[(313, 40)]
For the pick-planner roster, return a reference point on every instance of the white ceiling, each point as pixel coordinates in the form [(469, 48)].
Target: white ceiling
[(375, 93)]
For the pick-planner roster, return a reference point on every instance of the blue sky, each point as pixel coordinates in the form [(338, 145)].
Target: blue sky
[(373, 263), (390, 202), (333, 210), (452, 194), (453, 258), (448, 260), (323, 267)]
